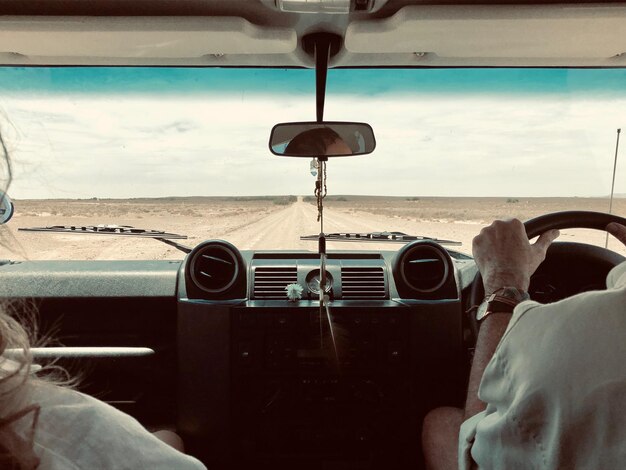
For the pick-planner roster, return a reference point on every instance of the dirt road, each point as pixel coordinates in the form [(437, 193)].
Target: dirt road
[(257, 226), (282, 229)]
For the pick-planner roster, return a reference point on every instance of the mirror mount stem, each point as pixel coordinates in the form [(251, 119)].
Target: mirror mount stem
[(322, 46), (322, 53)]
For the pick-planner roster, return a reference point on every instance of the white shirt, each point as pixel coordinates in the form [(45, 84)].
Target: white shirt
[(76, 431), (556, 387)]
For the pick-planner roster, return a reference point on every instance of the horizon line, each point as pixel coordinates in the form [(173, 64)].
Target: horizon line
[(329, 197)]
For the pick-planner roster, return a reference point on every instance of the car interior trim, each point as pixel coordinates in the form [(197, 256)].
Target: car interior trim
[(82, 352), (73, 279), (595, 33), (140, 37)]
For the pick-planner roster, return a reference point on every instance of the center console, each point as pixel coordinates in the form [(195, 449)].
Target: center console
[(302, 390), (268, 383)]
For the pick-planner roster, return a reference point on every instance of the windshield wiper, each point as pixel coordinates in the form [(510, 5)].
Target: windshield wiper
[(380, 237), (120, 230)]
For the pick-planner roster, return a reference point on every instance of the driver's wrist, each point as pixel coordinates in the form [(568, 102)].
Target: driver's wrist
[(496, 281)]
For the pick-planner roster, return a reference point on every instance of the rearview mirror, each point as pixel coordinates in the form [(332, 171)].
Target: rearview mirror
[(322, 139), (6, 208)]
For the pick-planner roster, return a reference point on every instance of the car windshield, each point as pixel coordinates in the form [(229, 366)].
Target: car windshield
[(185, 151)]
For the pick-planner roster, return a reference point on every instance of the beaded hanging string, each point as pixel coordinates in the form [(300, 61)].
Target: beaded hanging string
[(320, 193)]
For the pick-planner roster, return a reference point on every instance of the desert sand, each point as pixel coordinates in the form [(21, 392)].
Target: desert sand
[(270, 223)]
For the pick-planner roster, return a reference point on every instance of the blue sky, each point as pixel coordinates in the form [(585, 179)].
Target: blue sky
[(139, 80), (154, 132)]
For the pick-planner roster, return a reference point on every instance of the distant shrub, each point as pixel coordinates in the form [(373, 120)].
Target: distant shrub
[(512, 201), (342, 199), (284, 200), (412, 198), (310, 199)]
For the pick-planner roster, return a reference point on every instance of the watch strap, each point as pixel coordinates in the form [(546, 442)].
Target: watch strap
[(503, 300)]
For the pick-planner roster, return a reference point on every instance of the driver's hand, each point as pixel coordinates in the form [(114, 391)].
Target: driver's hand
[(618, 231), (505, 256)]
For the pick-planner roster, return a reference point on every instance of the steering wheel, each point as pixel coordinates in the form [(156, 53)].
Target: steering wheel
[(559, 221)]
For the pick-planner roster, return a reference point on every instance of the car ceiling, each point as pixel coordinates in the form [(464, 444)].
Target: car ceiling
[(256, 33)]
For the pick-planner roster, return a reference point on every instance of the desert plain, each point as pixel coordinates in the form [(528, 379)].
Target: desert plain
[(270, 222)]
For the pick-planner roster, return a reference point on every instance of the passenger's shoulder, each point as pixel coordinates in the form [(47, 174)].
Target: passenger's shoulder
[(55, 399), (77, 428)]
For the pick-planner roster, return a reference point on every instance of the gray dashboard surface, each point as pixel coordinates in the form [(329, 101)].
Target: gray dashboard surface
[(121, 278), (89, 279)]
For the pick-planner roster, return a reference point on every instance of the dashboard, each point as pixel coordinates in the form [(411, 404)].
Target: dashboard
[(217, 270), (212, 346), (299, 385)]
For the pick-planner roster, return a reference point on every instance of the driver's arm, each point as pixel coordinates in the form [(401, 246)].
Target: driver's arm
[(505, 258), (489, 336)]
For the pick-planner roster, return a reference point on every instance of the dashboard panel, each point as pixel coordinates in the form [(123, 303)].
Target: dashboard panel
[(265, 380), (256, 377), (248, 376), (423, 270)]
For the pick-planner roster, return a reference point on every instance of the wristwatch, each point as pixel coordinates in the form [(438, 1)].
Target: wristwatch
[(503, 300)]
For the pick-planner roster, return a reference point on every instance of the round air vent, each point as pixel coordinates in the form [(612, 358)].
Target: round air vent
[(423, 267), (214, 266)]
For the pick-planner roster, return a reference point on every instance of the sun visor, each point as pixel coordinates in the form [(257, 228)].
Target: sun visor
[(497, 35), (136, 38)]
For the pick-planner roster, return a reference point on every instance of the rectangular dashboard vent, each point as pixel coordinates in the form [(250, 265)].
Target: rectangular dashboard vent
[(270, 282), (363, 283)]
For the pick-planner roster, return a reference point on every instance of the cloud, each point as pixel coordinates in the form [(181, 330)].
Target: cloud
[(149, 146), (180, 126)]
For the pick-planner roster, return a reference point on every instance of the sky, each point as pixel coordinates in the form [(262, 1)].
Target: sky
[(155, 132)]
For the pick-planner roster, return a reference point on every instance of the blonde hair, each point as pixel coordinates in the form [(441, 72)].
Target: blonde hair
[(17, 332), (16, 448)]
